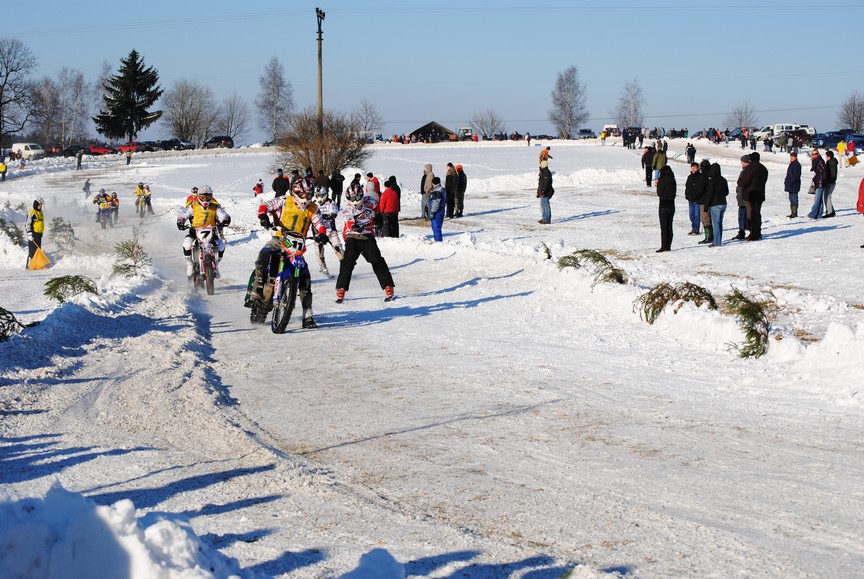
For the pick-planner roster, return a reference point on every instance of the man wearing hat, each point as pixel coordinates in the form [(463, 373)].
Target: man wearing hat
[(280, 184), (461, 186), (753, 178), (743, 205), (792, 183), (544, 154)]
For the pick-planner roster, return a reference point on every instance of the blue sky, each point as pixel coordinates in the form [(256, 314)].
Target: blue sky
[(446, 61)]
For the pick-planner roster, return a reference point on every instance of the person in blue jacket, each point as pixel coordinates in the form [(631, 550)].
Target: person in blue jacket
[(437, 208)]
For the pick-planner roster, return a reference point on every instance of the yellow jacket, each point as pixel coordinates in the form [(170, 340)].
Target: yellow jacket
[(35, 221), (841, 147)]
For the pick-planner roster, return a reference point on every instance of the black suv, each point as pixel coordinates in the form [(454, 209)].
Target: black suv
[(223, 142)]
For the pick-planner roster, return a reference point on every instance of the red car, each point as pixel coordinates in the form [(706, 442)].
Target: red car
[(101, 150), (135, 147)]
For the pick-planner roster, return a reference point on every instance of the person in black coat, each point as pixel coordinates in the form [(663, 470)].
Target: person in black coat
[(280, 184), (752, 180), (792, 183), (647, 161), (831, 167), (666, 190), (461, 186), (337, 179), (716, 191)]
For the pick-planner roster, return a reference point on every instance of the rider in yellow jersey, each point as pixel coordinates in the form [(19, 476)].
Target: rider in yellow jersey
[(293, 215), (203, 211)]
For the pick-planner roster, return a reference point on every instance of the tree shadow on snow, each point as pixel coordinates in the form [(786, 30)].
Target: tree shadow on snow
[(288, 561), (537, 567), (22, 460), (794, 232), (366, 318), (150, 497), (491, 211), (587, 215)]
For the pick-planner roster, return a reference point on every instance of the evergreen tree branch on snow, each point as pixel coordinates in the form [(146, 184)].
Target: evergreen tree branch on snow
[(754, 318), (604, 270), (131, 257), (9, 325), (64, 287), (11, 229), (128, 95), (652, 303)]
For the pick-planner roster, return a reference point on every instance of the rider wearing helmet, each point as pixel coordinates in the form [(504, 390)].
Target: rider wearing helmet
[(115, 207), (34, 227), (291, 217), (328, 210), (204, 211), (102, 201), (359, 234)]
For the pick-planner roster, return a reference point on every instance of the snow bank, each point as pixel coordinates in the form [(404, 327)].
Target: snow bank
[(64, 534)]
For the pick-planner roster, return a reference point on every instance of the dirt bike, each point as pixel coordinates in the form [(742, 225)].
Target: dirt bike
[(204, 252), (105, 215), (142, 205), (280, 285)]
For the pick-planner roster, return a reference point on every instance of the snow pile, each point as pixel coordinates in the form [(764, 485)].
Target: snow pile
[(64, 534)]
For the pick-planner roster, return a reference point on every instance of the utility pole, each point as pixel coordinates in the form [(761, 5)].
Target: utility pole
[(320, 14)]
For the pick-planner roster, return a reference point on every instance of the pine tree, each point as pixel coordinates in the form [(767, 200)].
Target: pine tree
[(128, 95)]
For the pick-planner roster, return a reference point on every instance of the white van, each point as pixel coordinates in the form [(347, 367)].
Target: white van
[(28, 151), (775, 129)]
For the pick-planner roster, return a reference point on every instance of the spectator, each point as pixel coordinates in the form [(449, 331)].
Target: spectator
[(451, 182), (34, 227), (425, 189), (544, 193), (692, 193), (3, 169), (817, 167), (830, 182), (717, 190), (666, 189), (754, 193), (792, 183), (461, 186), (336, 182), (841, 152), (86, 188), (281, 184), (743, 205), (647, 162), (544, 154), (322, 182), (128, 156), (437, 208), (389, 208), (79, 155), (373, 187), (658, 162), (258, 188)]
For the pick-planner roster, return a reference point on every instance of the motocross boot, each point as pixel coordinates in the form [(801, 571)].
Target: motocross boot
[(190, 269)]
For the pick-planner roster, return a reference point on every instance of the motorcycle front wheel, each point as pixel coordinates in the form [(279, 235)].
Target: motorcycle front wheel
[(208, 273), (283, 309)]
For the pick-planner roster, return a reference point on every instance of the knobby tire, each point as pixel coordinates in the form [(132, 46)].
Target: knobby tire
[(283, 309), (209, 270)]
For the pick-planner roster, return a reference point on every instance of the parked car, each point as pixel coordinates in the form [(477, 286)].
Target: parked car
[(222, 142), (801, 135), (151, 146), (136, 147), (28, 151), (71, 150), (175, 144), (586, 134), (100, 150)]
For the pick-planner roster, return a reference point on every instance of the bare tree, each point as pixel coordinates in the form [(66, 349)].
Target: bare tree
[(16, 103), (366, 117), (190, 110), (568, 103), (741, 116), (851, 114), (74, 104), (47, 106), (301, 144), (232, 118), (487, 123), (629, 111), (276, 99)]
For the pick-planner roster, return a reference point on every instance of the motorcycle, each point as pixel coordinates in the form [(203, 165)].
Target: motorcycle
[(204, 252), (104, 217), (280, 285), (142, 205)]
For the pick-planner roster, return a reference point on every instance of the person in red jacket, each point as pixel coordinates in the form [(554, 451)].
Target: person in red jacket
[(861, 199), (258, 188), (389, 209)]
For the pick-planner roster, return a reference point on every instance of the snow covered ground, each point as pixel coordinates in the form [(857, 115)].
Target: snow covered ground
[(501, 418)]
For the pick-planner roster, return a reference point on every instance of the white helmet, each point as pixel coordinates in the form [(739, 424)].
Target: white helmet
[(302, 192)]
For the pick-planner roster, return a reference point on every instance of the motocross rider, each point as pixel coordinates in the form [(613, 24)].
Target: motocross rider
[(142, 194), (115, 207), (292, 215), (328, 210), (203, 211), (102, 200)]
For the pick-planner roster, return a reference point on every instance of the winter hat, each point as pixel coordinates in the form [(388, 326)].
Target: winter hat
[(357, 175), (458, 167), (754, 156), (543, 164), (745, 159)]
